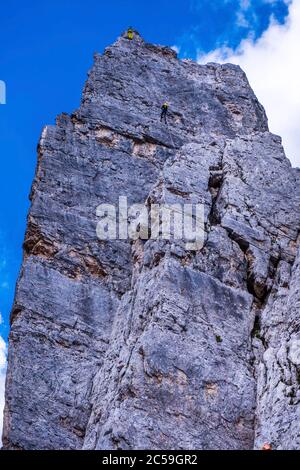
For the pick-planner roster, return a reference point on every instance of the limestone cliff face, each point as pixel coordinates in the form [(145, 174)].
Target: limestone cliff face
[(145, 345)]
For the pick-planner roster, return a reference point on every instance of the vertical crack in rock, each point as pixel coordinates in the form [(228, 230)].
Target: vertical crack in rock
[(122, 344)]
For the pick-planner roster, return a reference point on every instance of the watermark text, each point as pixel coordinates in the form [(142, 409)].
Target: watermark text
[(158, 222)]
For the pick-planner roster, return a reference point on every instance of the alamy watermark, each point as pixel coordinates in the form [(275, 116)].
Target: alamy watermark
[(157, 222), (2, 92)]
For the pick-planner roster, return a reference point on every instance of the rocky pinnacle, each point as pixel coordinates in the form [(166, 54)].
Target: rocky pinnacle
[(143, 344)]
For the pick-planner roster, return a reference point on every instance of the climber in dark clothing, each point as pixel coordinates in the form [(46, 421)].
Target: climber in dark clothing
[(164, 112)]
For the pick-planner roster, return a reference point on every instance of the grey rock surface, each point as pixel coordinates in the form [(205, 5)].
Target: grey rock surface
[(145, 344)]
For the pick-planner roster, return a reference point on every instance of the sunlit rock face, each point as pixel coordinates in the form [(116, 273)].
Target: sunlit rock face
[(144, 344)]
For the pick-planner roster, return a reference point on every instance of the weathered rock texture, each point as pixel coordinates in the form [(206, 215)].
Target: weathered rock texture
[(145, 345)]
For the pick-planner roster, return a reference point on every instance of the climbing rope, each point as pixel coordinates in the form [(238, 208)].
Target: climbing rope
[(152, 80), (159, 101)]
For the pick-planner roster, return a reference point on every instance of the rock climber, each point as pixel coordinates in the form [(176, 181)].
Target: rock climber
[(266, 447), (164, 112), (130, 33)]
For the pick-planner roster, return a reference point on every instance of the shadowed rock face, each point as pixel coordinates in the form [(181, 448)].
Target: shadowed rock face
[(134, 345)]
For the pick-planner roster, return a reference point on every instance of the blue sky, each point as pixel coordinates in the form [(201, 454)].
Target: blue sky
[(46, 49)]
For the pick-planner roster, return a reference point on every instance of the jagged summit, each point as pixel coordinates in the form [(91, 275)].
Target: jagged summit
[(200, 96), (144, 344), (139, 42)]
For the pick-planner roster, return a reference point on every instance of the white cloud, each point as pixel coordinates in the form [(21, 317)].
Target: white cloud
[(2, 353), (272, 64), (2, 380), (176, 49), (245, 4), (241, 20)]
